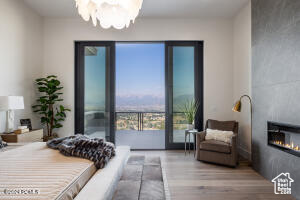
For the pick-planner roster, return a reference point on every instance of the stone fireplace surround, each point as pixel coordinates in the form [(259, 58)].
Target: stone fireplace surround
[(275, 84)]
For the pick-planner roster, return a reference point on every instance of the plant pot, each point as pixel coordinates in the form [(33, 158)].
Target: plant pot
[(190, 126), (46, 138)]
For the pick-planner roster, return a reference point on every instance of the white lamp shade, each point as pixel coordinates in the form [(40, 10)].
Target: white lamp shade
[(11, 102)]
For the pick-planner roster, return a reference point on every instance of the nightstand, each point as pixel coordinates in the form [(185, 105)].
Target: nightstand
[(31, 136)]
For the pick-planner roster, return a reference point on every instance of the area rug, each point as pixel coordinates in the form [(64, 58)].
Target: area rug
[(143, 179)]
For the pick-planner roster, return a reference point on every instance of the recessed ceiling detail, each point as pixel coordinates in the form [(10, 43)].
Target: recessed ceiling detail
[(151, 8)]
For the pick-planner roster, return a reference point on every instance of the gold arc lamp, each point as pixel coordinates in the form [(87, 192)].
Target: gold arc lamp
[(238, 108)]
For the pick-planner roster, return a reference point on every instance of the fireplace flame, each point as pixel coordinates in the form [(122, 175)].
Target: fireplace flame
[(290, 146)]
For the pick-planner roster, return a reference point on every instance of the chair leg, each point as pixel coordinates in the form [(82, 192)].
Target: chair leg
[(195, 142), (184, 143), (189, 143)]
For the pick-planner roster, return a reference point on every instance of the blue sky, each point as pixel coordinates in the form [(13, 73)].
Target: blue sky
[(95, 78), (183, 71), (140, 69)]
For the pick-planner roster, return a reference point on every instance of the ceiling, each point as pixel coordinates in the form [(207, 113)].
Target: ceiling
[(151, 8)]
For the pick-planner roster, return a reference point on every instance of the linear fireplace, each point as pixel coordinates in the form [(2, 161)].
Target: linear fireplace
[(285, 137)]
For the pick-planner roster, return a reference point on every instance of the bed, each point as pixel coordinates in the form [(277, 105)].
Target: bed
[(37, 172)]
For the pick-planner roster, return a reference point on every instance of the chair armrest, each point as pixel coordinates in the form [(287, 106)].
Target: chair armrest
[(201, 136), (234, 140), (234, 147)]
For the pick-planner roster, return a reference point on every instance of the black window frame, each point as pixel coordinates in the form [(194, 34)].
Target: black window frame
[(198, 87), (110, 91), (110, 86)]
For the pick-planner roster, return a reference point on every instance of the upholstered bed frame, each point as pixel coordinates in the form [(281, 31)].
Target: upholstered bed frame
[(47, 174), (107, 178)]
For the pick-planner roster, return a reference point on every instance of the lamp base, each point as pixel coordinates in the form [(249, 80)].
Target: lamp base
[(10, 115)]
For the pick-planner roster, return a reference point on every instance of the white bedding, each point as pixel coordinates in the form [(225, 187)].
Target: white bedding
[(36, 172), (55, 176)]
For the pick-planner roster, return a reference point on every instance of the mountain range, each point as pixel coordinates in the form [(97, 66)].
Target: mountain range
[(146, 102)]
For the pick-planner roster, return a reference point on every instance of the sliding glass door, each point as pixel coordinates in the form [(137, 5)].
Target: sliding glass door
[(145, 107), (184, 81), (94, 85), (140, 95)]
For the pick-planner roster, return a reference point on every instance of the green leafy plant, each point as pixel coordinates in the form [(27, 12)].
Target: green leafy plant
[(189, 109), (52, 113)]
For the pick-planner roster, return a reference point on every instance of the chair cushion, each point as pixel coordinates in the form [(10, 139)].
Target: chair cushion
[(214, 145)]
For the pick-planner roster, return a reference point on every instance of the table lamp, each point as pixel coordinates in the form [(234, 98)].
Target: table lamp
[(9, 104)]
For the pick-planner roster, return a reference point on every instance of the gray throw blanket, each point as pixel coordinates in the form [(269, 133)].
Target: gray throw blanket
[(2, 144), (96, 150)]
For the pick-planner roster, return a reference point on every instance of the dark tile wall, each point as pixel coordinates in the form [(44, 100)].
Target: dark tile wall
[(275, 82)]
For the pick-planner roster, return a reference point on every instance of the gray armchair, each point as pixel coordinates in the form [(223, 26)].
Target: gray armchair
[(216, 151)]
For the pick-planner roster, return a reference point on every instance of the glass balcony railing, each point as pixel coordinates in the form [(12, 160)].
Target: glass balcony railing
[(148, 121), (140, 121), (135, 121)]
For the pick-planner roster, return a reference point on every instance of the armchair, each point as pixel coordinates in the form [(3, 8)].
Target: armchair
[(216, 151)]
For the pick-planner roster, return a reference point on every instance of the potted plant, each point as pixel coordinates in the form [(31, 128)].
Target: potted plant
[(52, 113), (189, 109)]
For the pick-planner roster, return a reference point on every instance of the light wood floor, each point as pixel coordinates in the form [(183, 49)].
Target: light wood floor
[(189, 179)]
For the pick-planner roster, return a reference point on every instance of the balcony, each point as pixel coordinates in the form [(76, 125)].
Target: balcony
[(140, 130), (140, 121)]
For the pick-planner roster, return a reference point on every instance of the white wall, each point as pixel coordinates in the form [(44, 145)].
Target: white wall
[(217, 34), (242, 74), (21, 55), (31, 47)]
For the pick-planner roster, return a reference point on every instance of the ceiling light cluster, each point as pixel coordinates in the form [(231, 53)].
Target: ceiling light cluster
[(115, 13)]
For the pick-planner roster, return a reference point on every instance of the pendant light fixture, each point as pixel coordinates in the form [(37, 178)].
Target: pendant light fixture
[(110, 13)]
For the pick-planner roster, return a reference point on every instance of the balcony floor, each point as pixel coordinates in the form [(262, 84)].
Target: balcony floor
[(147, 139), (150, 139)]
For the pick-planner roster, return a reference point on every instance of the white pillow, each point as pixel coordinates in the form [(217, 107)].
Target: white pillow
[(224, 136)]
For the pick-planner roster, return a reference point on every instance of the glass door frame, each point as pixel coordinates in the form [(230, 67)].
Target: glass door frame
[(110, 85), (198, 87), (79, 82)]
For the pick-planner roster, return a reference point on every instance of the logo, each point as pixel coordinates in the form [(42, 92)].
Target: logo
[(283, 183), (20, 191)]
